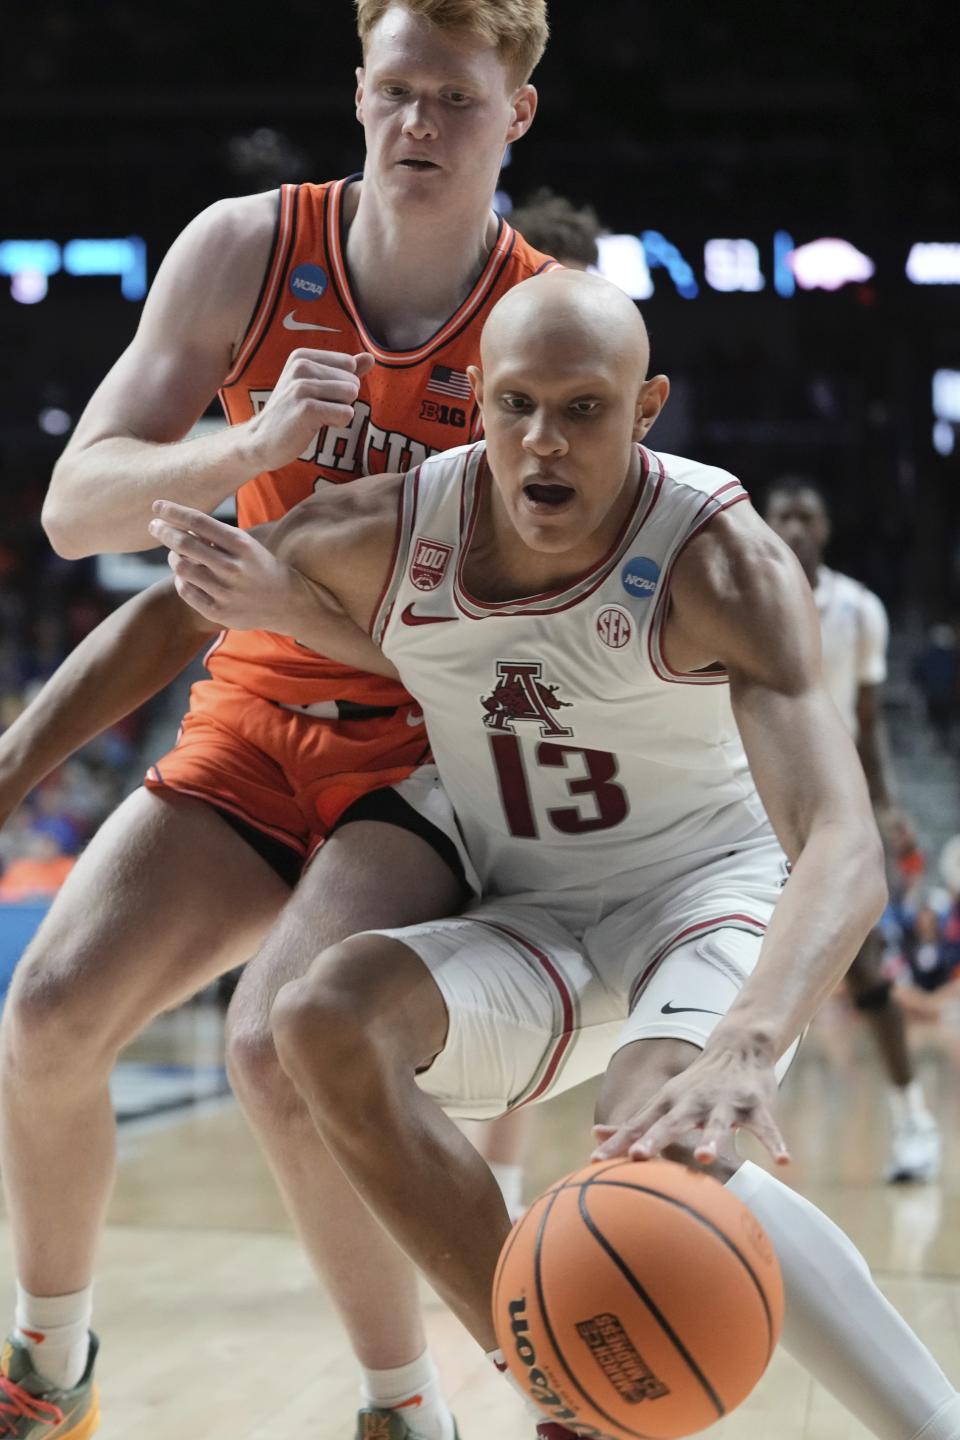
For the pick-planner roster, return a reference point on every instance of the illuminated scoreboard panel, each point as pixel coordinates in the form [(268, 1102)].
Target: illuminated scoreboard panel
[(639, 264)]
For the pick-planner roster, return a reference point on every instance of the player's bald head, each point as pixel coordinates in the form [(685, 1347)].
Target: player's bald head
[(563, 318)]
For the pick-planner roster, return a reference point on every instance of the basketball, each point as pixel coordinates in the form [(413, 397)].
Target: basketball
[(637, 1300)]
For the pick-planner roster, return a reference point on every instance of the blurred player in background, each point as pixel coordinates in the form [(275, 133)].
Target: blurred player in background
[(554, 225), (338, 323), (855, 633)]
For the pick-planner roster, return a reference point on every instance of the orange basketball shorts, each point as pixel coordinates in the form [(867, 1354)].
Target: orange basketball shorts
[(283, 772)]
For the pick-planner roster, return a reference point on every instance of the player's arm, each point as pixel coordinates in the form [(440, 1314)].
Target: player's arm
[(128, 447), (740, 599), (316, 575), (873, 748), (127, 659)]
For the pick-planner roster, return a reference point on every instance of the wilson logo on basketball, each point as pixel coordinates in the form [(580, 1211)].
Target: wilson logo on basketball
[(620, 1360), (429, 563), (541, 1389)]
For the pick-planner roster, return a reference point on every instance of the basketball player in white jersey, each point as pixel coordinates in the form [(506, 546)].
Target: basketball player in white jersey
[(590, 628), (854, 628), (553, 224)]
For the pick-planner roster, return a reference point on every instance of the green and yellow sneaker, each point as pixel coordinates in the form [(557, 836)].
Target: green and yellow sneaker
[(32, 1409), (382, 1425)]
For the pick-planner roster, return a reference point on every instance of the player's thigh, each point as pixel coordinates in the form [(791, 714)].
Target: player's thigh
[(164, 898), (369, 875)]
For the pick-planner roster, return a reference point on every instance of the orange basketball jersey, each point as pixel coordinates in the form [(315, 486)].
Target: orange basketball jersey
[(412, 404)]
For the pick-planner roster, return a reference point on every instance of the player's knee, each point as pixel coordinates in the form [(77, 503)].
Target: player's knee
[(252, 1063), (874, 998), (321, 1023), (48, 1025)]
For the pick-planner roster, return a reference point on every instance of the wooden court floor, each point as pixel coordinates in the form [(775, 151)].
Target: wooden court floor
[(213, 1329)]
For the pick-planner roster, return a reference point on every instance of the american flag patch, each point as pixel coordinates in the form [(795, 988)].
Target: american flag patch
[(444, 381)]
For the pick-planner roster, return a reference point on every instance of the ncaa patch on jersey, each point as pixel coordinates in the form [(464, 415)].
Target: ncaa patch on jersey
[(429, 563), (309, 282), (640, 577), (614, 627)]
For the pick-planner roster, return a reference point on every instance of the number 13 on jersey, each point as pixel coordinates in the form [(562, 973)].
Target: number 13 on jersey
[(601, 803)]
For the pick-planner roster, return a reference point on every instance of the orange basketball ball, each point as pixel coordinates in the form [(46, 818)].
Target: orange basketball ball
[(639, 1301)]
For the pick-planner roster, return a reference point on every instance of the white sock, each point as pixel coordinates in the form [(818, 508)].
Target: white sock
[(414, 1389), (510, 1180), (56, 1330), (839, 1326), (908, 1102)]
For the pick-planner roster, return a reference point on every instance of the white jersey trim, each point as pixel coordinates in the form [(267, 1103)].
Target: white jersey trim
[(729, 494)]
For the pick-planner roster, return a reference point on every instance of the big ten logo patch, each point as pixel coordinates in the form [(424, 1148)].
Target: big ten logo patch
[(519, 694), (443, 414), (429, 563), (614, 627)]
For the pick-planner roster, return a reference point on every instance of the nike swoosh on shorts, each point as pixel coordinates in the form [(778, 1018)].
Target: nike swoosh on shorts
[(669, 1009), (410, 617), (290, 322)]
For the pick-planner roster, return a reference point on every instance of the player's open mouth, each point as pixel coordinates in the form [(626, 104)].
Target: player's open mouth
[(548, 498), (423, 166)]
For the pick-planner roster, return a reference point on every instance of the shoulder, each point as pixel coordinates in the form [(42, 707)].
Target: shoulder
[(523, 260), (230, 230), (709, 481), (742, 591), (338, 516)]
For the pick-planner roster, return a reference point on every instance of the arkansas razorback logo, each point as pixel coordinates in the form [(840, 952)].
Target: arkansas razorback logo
[(519, 695)]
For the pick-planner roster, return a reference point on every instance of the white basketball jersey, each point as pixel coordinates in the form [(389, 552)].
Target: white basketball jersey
[(570, 749), (855, 634)]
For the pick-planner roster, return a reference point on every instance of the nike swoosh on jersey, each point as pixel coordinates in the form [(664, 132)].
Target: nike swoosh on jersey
[(290, 322), (669, 1009), (410, 617)]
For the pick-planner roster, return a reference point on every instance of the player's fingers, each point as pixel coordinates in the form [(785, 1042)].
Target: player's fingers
[(197, 599), (717, 1133), (762, 1124), (195, 522), (189, 547), (365, 363), (617, 1139), (334, 359), (194, 573), (673, 1125)]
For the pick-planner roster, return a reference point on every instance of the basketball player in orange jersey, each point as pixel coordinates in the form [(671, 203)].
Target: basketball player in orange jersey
[(855, 632), (614, 656), (338, 323)]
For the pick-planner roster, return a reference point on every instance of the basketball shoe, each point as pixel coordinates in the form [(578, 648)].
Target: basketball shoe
[(32, 1409), (915, 1150), (383, 1425)]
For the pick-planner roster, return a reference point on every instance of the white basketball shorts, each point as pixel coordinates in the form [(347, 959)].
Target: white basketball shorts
[(542, 990)]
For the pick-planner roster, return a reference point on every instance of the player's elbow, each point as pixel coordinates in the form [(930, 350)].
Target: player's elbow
[(59, 518), (872, 880)]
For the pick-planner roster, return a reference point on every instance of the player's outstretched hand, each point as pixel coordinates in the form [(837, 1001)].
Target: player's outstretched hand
[(724, 1090), (316, 388), (225, 574)]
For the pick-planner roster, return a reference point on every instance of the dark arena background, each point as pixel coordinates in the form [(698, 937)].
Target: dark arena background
[(778, 187)]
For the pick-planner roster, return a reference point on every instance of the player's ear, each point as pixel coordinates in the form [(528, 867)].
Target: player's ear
[(476, 380), (523, 103), (358, 98), (651, 400)]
